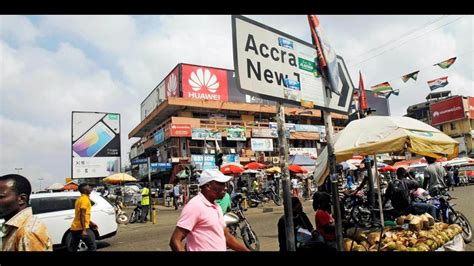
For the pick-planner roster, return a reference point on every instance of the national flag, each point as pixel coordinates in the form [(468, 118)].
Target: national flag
[(326, 53), (394, 92), (447, 63), (413, 75), (382, 87), (438, 83), (362, 95)]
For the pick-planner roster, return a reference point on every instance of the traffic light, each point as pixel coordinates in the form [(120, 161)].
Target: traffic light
[(218, 159)]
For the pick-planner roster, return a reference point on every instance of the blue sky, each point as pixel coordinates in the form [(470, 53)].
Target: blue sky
[(52, 65)]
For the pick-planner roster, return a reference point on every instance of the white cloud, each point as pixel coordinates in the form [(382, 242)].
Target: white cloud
[(18, 28), (111, 34)]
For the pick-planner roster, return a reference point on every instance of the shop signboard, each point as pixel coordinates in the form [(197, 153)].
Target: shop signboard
[(159, 136), (264, 133), (237, 134), (205, 134), (205, 83), (262, 144), (447, 111), (181, 130)]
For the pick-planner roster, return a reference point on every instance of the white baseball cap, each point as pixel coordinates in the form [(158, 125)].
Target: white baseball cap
[(209, 175)]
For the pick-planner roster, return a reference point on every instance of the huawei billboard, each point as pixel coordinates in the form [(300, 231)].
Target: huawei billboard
[(447, 111)]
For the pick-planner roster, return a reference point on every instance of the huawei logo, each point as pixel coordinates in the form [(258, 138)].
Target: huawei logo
[(206, 79), (436, 114), (172, 85)]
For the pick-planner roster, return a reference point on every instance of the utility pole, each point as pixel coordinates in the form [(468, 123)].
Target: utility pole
[(18, 170), (333, 177), (285, 178)]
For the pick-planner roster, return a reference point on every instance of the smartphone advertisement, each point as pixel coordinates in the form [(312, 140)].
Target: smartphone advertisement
[(95, 144)]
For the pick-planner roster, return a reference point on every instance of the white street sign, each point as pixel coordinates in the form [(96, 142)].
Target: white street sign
[(276, 66)]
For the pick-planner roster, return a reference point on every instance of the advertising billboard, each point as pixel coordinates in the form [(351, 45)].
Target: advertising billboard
[(181, 130), (471, 106), (172, 83), (237, 134), (159, 136), (264, 133), (149, 104), (447, 111), (206, 83), (280, 67), (205, 134), (262, 144), (202, 162), (310, 152), (95, 144)]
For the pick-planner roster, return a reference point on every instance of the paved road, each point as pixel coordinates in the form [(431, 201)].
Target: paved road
[(155, 237)]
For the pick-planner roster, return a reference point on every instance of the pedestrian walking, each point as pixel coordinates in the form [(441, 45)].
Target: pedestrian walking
[(81, 227), (176, 195), (20, 230), (201, 221)]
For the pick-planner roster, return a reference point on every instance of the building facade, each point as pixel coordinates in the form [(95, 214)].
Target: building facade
[(198, 111)]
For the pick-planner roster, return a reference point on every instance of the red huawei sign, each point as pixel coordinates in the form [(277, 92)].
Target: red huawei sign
[(204, 83), (447, 111)]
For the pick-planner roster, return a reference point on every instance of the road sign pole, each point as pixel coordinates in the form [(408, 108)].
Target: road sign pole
[(285, 178), (333, 179)]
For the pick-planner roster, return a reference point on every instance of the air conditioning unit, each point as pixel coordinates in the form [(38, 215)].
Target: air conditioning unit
[(276, 160)]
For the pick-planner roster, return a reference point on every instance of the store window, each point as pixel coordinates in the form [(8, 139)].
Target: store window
[(453, 126)]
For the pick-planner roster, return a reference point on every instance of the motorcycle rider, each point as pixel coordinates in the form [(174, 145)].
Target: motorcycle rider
[(404, 203), (300, 220), (433, 176)]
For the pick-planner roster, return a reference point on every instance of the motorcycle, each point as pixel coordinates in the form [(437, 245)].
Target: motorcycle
[(270, 193), (121, 216), (136, 214), (236, 221), (441, 200)]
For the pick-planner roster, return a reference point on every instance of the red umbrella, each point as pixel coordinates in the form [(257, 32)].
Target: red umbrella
[(255, 165), (71, 186), (232, 168), (297, 169), (388, 168)]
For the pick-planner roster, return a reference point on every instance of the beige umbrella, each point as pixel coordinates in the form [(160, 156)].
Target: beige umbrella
[(384, 134), (381, 134), (119, 178)]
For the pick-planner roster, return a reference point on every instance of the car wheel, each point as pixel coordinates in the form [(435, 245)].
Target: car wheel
[(82, 246)]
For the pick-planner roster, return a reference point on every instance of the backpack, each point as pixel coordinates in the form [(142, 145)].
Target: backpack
[(400, 198)]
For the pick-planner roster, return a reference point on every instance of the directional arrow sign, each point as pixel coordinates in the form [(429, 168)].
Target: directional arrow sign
[(276, 66)]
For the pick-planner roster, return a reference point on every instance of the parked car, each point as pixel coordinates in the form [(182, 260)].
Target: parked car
[(56, 210)]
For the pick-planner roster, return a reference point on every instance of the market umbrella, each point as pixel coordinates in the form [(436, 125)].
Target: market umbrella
[(274, 169), (71, 186), (232, 168), (377, 134), (297, 169), (255, 165), (119, 178), (388, 168)]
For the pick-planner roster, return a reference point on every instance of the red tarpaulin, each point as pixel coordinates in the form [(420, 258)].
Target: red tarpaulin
[(255, 165)]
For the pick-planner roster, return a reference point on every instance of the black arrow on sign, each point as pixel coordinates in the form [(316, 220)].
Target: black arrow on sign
[(345, 88)]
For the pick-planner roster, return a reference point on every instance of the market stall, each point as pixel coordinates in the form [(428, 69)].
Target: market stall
[(411, 233)]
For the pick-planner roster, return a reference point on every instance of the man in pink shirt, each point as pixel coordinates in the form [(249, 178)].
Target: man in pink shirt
[(202, 222)]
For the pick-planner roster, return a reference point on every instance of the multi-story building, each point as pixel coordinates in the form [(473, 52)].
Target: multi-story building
[(454, 115), (198, 110)]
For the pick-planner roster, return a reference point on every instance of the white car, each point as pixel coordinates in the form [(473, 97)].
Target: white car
[(56, 211)]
